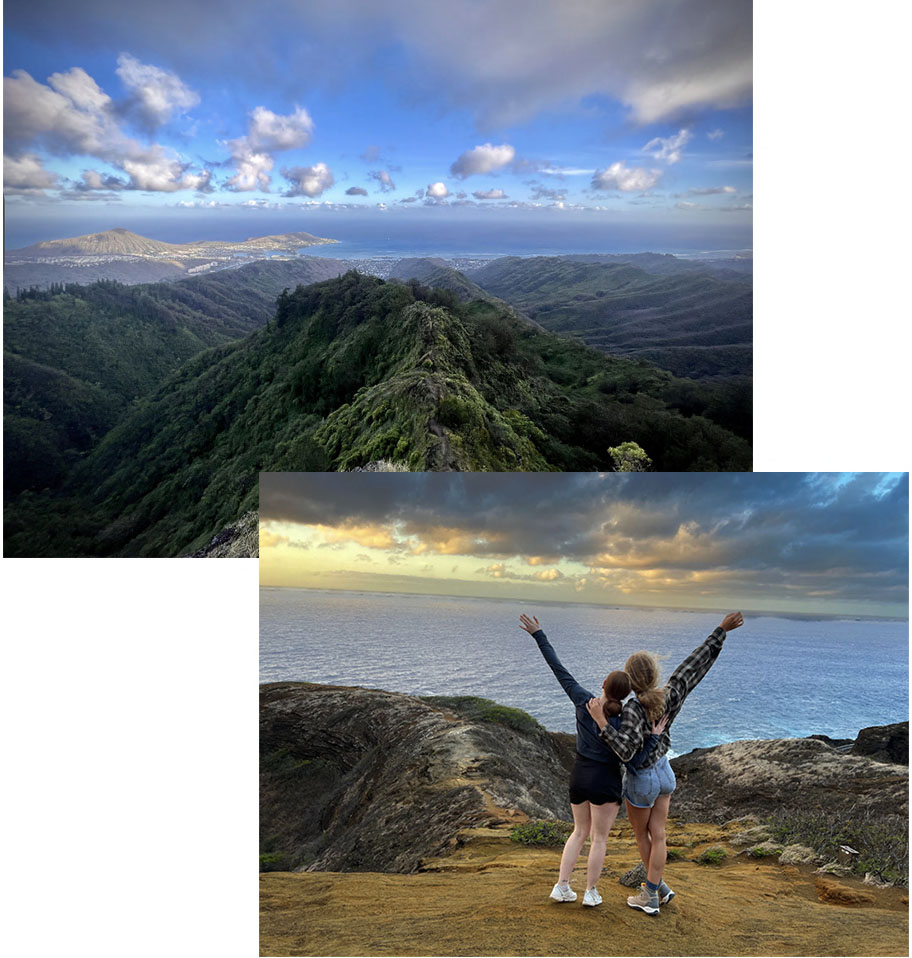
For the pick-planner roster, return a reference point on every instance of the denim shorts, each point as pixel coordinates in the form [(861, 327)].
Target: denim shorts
[(643, 787)]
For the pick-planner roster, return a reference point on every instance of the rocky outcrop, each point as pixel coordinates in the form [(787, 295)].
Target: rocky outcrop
[(240, 540), (884, 743), (760, 777), (356, 779)]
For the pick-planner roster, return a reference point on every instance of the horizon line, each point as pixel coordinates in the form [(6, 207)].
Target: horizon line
[(603, 605)]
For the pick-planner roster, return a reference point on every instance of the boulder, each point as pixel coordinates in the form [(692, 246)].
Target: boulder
[(767, 776), (635, 877), (884, 743)]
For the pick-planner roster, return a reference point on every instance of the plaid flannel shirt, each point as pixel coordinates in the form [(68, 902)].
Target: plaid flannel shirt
[(627, 740)]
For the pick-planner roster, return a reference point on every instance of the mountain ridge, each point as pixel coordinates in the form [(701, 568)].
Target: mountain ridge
[(353, 370)]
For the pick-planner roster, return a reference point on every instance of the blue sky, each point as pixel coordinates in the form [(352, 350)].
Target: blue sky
[(627, 112)]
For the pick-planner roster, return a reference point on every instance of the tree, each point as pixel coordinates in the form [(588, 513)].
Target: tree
[(629, 457)]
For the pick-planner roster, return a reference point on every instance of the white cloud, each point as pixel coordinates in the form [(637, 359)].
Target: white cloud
[(708, 190), (540, 192), (158, 171), (490, 195), (669, 149), (619, 177), (384, 179), (272, 131), (252, 168), (437, 191), (72, 115), (482, 159), (266, 131), (96, 180), (156, 94), (356, 191), (550, 170), (308, 180), (26, 174), (715, 135)]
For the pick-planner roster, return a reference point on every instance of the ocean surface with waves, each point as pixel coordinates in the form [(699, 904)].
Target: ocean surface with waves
[(777, 676)]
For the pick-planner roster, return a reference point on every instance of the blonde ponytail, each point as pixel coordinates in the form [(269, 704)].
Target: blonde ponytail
[(643, 670)]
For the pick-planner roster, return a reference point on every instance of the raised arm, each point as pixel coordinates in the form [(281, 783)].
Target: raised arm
[(625, 741), (578, 695), (686, 677)]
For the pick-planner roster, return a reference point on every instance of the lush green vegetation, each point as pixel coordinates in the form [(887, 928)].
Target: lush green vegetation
[(687, 321), (883, 842), (351, 371), (477, 709), (76, 358), (550, 833), (629, 457), (712, 856)]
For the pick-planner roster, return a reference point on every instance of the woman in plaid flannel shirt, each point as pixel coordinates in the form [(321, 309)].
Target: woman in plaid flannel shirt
[(647, 791)]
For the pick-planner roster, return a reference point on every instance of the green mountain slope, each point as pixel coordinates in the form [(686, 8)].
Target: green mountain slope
[(354, 370), (89, 352), (439, 274), (684, 320)]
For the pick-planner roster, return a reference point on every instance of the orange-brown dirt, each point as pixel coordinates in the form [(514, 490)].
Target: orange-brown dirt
[(490, 897)]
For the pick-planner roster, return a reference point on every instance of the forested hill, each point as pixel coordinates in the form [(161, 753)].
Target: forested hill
[(76, 357), (678, 315), (353, 370)]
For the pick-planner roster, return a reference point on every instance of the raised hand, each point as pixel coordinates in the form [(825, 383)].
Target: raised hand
[(661, 725), (732, 621), (529, 624)]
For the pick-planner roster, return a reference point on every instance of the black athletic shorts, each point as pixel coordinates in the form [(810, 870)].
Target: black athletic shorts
[(595, 782)]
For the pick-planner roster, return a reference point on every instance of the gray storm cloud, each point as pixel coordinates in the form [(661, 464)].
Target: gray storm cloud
[(506, 61), (817, 532)]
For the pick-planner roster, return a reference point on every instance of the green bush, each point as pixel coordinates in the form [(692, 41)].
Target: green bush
[(675, 855), (712, 856), (542, 832), (882, 841), (765, 850), (477, 709), (274, 862)]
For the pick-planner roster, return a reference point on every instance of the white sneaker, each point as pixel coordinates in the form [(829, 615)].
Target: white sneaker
[(592, 897), (562, 894)]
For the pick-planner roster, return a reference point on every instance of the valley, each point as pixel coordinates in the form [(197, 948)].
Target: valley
[(150, 409)]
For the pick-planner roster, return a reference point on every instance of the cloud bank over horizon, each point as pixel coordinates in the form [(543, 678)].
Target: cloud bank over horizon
[(783, 541)]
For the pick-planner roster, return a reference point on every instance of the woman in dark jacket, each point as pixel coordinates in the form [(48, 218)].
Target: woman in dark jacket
[(595, 782)]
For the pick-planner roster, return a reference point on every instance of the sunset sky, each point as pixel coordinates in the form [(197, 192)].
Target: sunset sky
[(815, 543), (635, 111)]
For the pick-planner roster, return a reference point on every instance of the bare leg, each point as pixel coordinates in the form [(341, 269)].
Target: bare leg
[(603, 817), (659, 851), (639, 820), (574, 844)]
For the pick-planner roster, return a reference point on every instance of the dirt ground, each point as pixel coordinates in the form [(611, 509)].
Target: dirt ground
[(491, 898)]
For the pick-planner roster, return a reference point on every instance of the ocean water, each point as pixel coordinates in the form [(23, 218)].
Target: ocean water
[(777, 676)]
